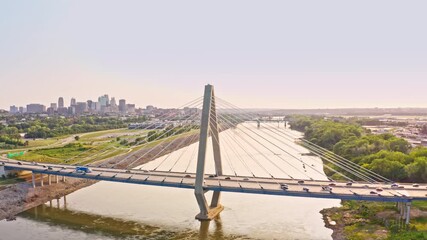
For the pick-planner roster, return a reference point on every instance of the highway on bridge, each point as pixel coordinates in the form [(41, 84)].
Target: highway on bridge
[(240, 184)]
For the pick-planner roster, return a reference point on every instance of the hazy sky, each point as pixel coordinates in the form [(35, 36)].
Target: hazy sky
[(277, 54)]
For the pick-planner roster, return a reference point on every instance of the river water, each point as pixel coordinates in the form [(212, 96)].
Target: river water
[(109, 210)]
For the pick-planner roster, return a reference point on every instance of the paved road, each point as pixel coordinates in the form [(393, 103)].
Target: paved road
[(358, 190)]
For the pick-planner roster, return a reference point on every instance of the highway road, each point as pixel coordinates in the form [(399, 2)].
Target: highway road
[(242, 184)]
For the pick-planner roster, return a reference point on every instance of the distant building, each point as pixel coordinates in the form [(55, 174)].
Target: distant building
[(61, 102), (122, 106), (22, 110), (62, 111), (36, 108), (130, 108), (113, 102), (89, 105), (13, 109), (73, 102), (72, 110), (54, 106), (104, 100), (96, 106), (50, 111), (81, 107)]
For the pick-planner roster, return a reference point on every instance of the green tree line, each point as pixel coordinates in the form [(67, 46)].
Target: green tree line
[(385, 154), (56, 126)]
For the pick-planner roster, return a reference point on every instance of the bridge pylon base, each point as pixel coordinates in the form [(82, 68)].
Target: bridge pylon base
[(213, 212)]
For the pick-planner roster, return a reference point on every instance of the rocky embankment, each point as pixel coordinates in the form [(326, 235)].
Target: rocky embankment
[(22, 196)]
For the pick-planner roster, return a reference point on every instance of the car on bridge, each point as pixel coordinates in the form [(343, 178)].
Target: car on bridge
[(83, 170)]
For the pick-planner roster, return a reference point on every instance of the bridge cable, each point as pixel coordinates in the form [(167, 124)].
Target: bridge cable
[(160, 137), (149, 127), (350, 162), (303, 161)]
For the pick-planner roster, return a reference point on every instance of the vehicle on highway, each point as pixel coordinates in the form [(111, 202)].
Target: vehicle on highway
[(49, 168), (415, 185), (349, 184), (19, 163), (332, 184), (83, 170), (284, 186), (306, 189), (228, 178), (373, 192), (301, 181), (326, 188), (188, 176), (379, 189), (394, 185), (128, 171), (245, 179)]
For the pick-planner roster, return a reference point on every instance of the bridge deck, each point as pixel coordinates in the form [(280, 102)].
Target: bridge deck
[(242, 184)]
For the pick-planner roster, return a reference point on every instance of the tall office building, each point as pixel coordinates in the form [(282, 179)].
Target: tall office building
[(104, 100), (73, 102), (122, 105), (61, 102)]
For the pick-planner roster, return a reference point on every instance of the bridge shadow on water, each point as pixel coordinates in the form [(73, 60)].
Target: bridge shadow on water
[(55, 215)]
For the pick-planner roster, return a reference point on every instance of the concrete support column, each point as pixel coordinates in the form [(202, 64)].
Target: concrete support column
[(56, 178), (33, 178), (63, 178), (41, 180), (402, 206), (408, 212), (49, 179)]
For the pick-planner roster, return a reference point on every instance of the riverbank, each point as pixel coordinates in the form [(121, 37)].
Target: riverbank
[(17, 198), (372, 220)]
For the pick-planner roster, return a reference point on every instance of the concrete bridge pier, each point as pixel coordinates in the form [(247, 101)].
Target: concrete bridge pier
[(49, 177), (63, 178), (56, 179), (209, 126), (407, 212), (33, 179), (41, 180)]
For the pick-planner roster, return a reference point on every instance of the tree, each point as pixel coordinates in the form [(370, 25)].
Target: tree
[(77, 138), (390, 169), (417, 171)]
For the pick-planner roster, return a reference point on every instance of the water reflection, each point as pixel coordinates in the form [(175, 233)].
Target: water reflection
[(56, 215)]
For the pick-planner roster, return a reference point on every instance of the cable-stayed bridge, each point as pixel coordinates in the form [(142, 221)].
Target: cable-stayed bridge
[(241, 153)]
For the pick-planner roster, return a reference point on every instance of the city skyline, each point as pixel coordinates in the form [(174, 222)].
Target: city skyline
[(103, 104), (262, 59)]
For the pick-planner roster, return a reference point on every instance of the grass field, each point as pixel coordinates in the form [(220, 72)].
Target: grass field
[(89, 148)]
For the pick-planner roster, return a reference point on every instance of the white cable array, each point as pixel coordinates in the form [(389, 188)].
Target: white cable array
[(293, 156), (350, 169)]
